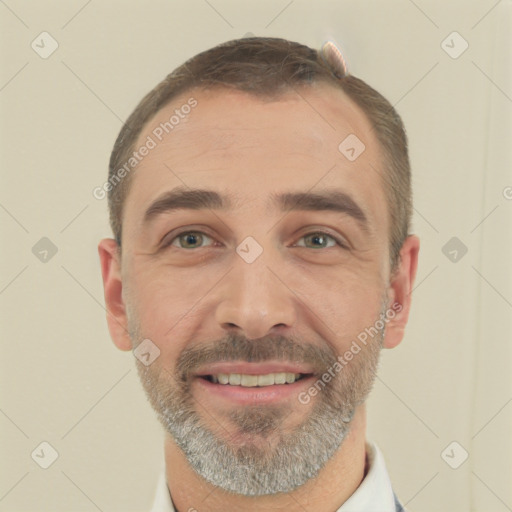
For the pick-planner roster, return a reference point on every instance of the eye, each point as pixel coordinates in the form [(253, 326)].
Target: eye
[(187, 238), (320, 239)]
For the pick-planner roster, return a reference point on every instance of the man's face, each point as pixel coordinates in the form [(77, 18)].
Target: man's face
[(255, 289)]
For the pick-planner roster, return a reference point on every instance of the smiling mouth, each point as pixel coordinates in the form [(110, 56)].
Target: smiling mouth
[(251, 381)]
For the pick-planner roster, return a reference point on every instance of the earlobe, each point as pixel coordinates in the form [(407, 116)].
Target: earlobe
[(113, 287), (400, 292)]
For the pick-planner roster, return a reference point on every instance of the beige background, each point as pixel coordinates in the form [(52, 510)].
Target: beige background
[(62, 379)]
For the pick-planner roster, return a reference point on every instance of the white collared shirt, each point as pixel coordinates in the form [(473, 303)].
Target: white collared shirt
[(374, 494)]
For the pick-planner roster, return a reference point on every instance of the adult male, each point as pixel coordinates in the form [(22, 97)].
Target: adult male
[(260, 199)]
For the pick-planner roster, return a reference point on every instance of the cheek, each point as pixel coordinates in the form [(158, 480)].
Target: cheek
[(164, 304), (345, 302), (347, 317)]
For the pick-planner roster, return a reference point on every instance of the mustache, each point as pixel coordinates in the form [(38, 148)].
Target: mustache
[(270, 348)]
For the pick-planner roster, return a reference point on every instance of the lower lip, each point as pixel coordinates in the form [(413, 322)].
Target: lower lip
[(254, 395)]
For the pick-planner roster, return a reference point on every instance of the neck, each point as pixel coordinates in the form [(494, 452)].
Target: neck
[(335, 483)]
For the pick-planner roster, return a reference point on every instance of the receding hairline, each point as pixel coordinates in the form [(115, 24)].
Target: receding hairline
[(213, 91)]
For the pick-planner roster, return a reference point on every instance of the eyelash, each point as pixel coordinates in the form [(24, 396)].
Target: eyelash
[(185, 232)]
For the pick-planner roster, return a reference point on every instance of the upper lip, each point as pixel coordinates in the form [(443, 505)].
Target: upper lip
[(253, 368)]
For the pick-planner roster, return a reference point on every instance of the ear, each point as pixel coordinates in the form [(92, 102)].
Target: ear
[(113, 288), (399, 292)]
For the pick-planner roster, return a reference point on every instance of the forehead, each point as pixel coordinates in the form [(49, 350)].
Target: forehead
[(251, 148)]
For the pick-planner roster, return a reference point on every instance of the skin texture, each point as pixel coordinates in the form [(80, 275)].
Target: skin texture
[(298, 291)]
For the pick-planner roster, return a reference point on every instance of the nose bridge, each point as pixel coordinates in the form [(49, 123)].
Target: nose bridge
[(255, 300)]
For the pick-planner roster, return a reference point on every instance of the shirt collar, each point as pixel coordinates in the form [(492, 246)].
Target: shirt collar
[(374, 493)]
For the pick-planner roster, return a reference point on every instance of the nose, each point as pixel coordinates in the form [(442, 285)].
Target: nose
[(256, 300)]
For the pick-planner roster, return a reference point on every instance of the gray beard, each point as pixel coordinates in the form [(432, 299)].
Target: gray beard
[(270, 460)]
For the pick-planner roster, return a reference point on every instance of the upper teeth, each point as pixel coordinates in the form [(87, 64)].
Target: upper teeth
[(238, 379)]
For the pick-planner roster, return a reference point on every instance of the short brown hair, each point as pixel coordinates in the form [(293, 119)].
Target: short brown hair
[(269, 67)]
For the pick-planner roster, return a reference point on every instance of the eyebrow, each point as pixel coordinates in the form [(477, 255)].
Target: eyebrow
[(182, 198)]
